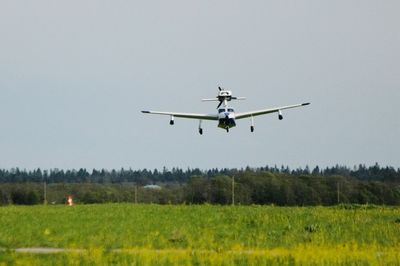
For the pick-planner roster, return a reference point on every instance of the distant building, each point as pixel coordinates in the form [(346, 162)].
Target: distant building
[(156, 187)]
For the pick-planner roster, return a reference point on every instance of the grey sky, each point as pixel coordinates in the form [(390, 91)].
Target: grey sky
[(74, 76)]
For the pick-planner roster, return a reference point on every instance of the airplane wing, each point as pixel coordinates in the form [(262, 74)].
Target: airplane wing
[(267, 111), (185, 115)]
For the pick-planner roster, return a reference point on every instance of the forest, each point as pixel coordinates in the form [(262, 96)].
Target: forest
[(280, 186)]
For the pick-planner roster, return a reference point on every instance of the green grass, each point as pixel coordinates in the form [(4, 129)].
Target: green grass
[(211, 235)]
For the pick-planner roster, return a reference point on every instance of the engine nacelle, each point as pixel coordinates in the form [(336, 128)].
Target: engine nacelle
[(224, 93)]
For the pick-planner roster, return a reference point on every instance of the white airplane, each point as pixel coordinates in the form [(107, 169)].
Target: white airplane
[(226, 116)]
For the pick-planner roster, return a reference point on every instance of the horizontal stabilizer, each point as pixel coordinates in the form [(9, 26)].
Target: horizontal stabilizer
[(238, 98)]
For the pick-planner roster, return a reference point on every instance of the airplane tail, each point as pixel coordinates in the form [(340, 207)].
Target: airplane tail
[(223, 96)]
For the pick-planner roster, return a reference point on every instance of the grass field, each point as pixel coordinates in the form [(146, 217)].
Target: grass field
[(127, 234)]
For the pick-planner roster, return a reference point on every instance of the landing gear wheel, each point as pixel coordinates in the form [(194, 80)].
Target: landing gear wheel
[(227, 130), (200, 131), (252, 128)]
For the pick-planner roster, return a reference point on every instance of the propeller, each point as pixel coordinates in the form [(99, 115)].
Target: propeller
[(223, 95), (221, 100)]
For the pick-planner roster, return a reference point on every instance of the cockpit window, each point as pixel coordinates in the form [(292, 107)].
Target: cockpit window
[(222, 110)]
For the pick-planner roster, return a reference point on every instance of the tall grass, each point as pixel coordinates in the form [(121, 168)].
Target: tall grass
[(202, 235)]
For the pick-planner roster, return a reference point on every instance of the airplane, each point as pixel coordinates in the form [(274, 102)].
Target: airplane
[(226, 116)]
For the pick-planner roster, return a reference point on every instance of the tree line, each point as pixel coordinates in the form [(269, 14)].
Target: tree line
[(145, 176), (264, 185)]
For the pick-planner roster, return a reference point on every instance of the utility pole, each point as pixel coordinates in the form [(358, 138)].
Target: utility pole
[(44, 193), (136, 192), (233, 190)]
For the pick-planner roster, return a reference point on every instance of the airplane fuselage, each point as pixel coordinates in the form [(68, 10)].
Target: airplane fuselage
[(226, 118)]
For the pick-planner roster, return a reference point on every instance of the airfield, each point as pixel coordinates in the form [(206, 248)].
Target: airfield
[(149, 234), (210, 133)]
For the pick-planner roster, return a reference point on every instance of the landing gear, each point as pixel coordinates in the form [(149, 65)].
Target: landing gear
[(171, 121), (227, 130), (280, 116), (252, 124), (200, 128)]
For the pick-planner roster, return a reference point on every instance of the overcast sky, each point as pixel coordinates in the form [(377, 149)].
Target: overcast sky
[(74, 76)]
